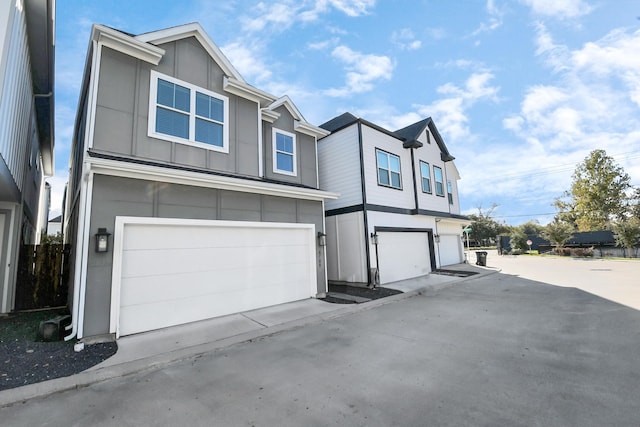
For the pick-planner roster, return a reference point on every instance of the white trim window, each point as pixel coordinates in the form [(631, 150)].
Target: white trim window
[(450, 192), (437, 176), (284, 152), (388, 169), (425, 175), (187, 114)]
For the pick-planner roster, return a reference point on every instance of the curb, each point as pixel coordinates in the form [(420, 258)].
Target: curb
[(87, 378)]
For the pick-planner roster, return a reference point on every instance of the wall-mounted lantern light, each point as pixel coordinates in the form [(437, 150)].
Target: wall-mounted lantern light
[(102, 240), (437, 238), (374, 238), (322, 239)]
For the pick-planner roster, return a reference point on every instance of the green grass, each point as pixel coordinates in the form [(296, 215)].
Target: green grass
[(24, 325)]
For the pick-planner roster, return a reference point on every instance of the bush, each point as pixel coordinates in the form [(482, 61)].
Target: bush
[(575, 252)]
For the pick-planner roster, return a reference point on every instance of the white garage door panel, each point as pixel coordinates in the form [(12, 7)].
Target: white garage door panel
[(450, 248), (170, 261), (403, 255), (171, 273)]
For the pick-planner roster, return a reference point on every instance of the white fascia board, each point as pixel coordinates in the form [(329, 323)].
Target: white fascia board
[(311, 130), (240, 88), (193, 30), (161, 174), (268, 115), (126, 44), (289, 105)]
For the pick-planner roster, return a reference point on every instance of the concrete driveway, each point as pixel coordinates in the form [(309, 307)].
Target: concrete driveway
[(499, 350), (615, 280)]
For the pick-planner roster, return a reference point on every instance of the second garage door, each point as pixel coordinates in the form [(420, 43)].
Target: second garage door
[(403, 255), (169, 272)]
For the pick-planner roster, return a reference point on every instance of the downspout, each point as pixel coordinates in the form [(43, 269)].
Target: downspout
[(437, 239), (364, 205), (415, 185), (79, 257)]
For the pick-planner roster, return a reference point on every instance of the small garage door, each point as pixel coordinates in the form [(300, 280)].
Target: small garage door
[(403, 255), (450, 249), (172, 272)]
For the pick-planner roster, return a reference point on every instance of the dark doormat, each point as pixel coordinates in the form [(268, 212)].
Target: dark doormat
[(338, 294), (456, 273)]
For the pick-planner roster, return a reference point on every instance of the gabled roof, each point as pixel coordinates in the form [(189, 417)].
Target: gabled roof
[(339, 122), (411, 133), (301, 125), (408, 135), (192, 30)]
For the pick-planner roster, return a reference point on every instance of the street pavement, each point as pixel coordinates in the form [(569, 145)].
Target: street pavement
[(617, 280), (499, 350)]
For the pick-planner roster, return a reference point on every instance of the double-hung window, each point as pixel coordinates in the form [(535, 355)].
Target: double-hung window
[(388, 169), (450, 192), (425, 174), (184, 113), (437, 175), (284, 152)]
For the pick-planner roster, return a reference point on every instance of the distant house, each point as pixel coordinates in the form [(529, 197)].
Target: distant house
[(192, 194), (55, 226), (398, 214), (26, 130)]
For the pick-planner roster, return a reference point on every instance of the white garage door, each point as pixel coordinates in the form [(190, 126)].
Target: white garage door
[(403, 255), (172, 272), (450, 250)]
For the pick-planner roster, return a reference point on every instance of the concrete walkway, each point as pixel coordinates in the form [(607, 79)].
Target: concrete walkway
[(155, 349)]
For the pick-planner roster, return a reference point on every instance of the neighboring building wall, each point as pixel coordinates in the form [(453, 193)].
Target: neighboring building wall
[(21, 177), (115, 196), (346, 253), (378, 194), (339, 167)]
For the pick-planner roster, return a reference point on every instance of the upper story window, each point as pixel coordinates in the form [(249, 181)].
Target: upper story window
[(437, 175), (425, 174), (388, 169), (450, 192), (184, 113), (284, 152)]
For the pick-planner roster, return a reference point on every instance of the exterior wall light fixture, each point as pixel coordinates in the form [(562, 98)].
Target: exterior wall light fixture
[(322, 239), (102, 240), (374, 238)]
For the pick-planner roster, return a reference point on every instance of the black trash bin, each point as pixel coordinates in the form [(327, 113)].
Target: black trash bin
[(481, 258)]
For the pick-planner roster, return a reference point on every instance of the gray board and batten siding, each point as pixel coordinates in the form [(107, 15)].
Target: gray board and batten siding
[(122, 116), (133, 197)]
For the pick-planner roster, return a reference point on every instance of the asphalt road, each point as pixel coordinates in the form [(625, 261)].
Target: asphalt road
[(494, 351)]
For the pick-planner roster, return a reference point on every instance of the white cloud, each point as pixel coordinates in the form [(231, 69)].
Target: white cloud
[(494, 22), (248, 61), (449, 112), (363, 70), (352, 8), (277, 15), (405, 39), (559, 9)]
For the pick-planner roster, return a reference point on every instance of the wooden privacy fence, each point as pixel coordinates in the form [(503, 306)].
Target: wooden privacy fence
[(40, 283)]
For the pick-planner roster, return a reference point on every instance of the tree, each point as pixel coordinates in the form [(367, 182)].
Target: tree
[(518, 240), (484, 228), (598, 193), (558, 232), (532, 228), (627, 233)]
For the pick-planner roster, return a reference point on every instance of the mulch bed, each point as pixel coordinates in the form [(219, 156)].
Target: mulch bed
[(25, 360), (456, 273), (358, 291)]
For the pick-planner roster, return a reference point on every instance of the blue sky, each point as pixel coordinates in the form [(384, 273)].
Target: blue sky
[(521, 90)]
